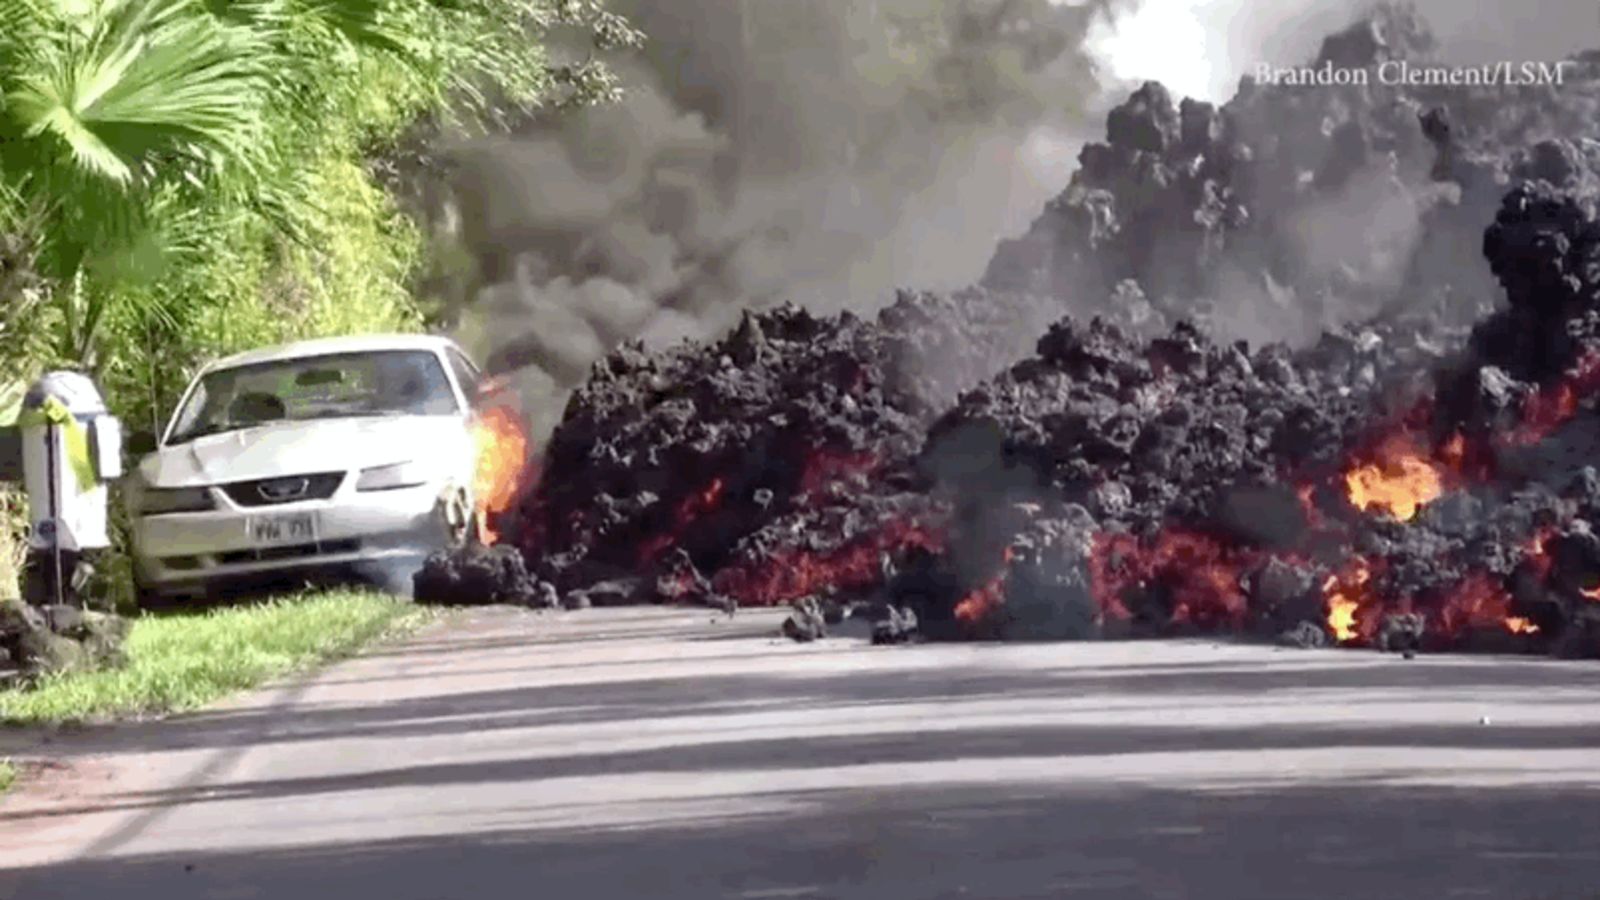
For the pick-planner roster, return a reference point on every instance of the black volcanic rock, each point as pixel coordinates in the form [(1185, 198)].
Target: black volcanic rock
[(1291, 209), (715, 468)]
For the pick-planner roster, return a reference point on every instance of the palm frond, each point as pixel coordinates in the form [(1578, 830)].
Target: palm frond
[(149, 76)]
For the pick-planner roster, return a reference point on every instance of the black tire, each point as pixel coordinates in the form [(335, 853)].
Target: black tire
[(153, 602), (147, 599)]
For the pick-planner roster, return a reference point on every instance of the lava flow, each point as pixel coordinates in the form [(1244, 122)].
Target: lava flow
[(1155, 477), (1399, 479), (1347, 595), (985, 599)]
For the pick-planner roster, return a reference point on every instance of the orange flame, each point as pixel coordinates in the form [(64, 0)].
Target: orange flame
[(692, 507), (1200, 574), (1344, 594), (986, 598), (502, 447), (804, 572), (1481, 602), (1400, 481), (1519, 625), (1553, 405)]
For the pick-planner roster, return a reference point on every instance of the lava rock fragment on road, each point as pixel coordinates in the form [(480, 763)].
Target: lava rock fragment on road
[(479, 575), (806, 623)]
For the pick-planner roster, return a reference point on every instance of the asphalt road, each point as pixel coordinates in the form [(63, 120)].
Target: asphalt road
[(664, 754)]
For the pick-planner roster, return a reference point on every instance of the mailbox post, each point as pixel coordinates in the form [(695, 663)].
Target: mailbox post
[(71, 448)]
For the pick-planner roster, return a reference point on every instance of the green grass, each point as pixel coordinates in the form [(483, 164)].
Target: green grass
[(181, 662), (8, 775)]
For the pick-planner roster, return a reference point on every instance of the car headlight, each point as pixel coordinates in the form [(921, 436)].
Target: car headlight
[(155, 501), (388, 478)]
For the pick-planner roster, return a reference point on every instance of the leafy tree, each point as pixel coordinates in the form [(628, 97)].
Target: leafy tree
[(116, 117), (139, 134), (184, 178)]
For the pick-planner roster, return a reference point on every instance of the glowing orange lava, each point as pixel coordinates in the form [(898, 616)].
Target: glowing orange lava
[(1399, 481), (804, 572), (1553, 405), (1519, 625), (988, 597), (1345, 593), (692, 507), (1481, 602), (502, 448), (1200, 576)]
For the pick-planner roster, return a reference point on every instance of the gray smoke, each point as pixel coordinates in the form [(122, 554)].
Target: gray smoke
[(1349, 246), (829, 152), (767, 150)]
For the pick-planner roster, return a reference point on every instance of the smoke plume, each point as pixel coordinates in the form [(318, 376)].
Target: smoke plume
[(767, 150), (828, 153)]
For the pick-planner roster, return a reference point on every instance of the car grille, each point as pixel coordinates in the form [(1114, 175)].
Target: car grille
[(298, 551), (272, 491)]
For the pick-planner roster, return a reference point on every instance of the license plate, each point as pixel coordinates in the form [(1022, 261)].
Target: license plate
[(298, 528)]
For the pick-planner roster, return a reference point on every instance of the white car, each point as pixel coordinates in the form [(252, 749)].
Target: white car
[(344, 455)]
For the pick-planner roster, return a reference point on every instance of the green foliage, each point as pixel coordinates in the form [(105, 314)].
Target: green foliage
[(188, 174), (116, 116), (182, 662), (13, 539), (182, 179)]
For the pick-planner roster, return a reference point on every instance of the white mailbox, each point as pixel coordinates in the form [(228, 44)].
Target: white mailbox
[(71, 447)]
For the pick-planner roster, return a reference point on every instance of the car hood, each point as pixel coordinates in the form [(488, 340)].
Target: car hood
[(298, 448)]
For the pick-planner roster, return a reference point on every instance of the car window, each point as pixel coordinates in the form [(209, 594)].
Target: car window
[(390, 382), (466, 373)]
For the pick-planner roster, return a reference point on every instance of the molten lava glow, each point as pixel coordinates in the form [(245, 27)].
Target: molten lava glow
[(1342, 617), (986, 599), (1196, 576), (1537, 553), (1399, 481), (804, 573), (1553, 405), (1479, 603), (692, 507), (1345, 593), (1518, 625), (502, 450), (825, 467)]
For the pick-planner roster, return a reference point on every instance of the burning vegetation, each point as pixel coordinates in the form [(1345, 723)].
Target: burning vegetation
[(1405, 480)]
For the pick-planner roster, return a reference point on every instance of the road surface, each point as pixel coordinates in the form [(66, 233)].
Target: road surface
[(668, 754)]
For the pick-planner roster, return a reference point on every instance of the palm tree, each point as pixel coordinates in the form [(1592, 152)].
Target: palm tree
[(114, 114)]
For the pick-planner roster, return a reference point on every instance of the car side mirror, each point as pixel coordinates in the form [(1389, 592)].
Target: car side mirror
[(141, 443)]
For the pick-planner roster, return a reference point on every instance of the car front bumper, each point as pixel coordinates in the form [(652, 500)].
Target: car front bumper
[(193, 552)]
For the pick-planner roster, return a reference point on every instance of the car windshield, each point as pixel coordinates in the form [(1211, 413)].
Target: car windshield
[(389, 382)]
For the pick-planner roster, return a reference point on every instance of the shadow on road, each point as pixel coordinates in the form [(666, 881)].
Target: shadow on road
[(850, 772), (623, 698), (1363, 840)]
